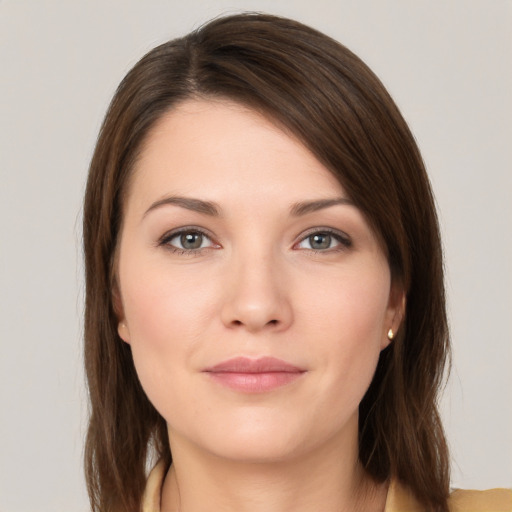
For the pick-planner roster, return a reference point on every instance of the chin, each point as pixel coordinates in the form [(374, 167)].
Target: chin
[(262, 448), (249, 437)]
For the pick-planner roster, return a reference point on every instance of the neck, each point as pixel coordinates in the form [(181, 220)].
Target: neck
[(329, 478)]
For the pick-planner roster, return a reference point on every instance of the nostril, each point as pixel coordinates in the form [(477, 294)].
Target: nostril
[(270, 322)]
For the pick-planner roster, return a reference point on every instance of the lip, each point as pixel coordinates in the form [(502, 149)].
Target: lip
[(254, 375)]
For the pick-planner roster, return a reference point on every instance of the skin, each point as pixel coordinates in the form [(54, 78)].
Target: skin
[(256, 287)]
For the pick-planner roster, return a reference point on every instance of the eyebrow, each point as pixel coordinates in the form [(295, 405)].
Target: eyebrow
[(213, 209), (305, 207), (196, 205)]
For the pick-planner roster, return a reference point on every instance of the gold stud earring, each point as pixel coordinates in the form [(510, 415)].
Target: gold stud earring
[(391, 334)]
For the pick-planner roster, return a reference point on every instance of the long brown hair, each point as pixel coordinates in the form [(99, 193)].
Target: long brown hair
[(328, 98)]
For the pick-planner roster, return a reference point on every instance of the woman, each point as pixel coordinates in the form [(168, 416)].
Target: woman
[(265, 304)]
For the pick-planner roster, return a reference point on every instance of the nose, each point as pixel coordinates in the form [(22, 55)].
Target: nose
[(256, 297)]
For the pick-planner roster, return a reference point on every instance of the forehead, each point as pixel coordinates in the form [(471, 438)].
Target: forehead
[(221, 148)]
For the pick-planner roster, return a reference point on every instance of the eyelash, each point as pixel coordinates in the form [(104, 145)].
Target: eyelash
[(164, 241), (343, 239)]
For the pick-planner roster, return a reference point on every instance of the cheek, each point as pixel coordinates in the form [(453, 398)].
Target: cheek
[(350, 305), (163, 304), (167, 316), (347, 322)]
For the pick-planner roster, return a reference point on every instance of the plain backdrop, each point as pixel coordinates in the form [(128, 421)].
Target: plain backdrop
[(448, 66)]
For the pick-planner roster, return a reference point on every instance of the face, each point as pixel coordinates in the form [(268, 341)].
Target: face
[(254, 295)]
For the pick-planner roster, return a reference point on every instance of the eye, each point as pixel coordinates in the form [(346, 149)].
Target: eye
[(187, 241), (324, 241)]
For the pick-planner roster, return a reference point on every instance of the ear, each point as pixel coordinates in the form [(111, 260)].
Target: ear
[(122, 326), (395, 313)]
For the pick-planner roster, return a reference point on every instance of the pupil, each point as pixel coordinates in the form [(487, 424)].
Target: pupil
[(191, 240), (320, 241)]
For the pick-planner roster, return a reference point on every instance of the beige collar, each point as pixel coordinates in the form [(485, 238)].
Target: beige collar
[(153, 491)]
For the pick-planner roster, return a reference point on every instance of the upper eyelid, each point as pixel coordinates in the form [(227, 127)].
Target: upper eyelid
[(186, 229), (164, 241), (325, 229)]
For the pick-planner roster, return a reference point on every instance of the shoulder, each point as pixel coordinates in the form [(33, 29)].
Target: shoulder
[(492, 500), (401, 499)]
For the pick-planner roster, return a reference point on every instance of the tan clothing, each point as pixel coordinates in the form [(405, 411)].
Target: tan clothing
[(399, 498)]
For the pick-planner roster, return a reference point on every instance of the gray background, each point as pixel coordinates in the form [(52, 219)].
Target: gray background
[(447, 64)]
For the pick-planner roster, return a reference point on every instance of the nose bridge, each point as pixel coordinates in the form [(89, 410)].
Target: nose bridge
[(257, 294)]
